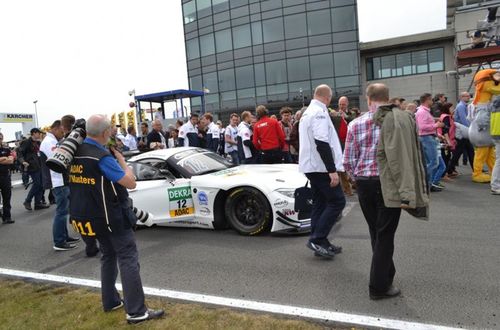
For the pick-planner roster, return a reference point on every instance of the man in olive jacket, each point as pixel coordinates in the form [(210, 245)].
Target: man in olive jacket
[(400, 162)]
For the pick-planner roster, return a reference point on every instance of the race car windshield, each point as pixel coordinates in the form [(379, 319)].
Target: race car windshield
[(198, 162)]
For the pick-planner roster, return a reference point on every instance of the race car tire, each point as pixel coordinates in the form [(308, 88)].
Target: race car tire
[(248, 211)]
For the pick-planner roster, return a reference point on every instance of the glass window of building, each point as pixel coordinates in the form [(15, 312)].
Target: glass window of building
[(193, 49), (256, 33), (195, 83), (242, 36), (210, 82), (239, 12), (223, 41), (346, 81), (436, 59), (403, 64), (346, 63), (226, 80), (276, 72), (203, 7), (244, 77), (298, 69), (419, 61), (295, 26), (388, 64), (343, 18), (270, 4), (260, 74), (207, 45), (273, 29), (321, 66), (189, 12), (220, 5), (318, 22)]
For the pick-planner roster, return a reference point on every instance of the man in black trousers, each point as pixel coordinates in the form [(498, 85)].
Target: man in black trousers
[(360, 161)]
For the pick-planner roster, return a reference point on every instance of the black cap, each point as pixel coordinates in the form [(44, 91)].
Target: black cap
[(35, 130)]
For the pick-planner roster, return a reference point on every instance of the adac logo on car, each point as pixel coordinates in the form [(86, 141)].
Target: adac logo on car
[(203, 198)]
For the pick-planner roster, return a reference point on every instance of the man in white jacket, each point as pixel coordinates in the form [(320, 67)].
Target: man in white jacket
[(320, 157)]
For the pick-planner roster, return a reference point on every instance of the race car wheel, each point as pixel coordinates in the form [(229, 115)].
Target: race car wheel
[(248, 211)]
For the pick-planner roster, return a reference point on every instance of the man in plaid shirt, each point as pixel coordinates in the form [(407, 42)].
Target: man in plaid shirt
[(360, 161)]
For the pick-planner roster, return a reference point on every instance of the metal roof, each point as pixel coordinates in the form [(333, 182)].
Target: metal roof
[(168, 95)]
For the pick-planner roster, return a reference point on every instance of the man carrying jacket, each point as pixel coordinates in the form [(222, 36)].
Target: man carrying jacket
[(361, 161)]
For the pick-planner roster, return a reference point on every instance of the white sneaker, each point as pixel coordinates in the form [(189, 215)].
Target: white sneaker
[(495, 192)]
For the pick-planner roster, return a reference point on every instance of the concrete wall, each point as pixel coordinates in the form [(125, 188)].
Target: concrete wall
[(411, 87)]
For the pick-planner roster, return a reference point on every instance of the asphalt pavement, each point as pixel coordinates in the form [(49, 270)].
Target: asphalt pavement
[(447, 268)]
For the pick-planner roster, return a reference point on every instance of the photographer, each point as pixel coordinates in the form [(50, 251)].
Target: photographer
[(60, 189), (95, 179)]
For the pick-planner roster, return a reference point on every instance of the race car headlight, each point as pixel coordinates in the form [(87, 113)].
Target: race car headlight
[(286, 192)]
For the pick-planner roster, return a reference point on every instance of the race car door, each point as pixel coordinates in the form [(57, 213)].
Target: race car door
[(158, 192), (180, 203)]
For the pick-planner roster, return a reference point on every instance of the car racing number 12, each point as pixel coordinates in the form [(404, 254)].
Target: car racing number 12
[(180, 201)]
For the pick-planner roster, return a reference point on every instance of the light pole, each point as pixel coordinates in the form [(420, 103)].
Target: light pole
[(36, 113)]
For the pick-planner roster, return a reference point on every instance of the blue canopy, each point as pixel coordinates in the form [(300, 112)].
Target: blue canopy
[(174, 95)]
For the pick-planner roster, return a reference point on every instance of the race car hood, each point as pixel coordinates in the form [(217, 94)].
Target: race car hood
[(266, 178)]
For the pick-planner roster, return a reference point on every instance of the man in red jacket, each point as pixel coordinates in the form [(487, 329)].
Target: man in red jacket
[(268, 137)]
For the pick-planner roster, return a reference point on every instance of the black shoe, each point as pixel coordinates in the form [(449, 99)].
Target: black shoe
[(72, 239), (64, 247), (435, 188), (332, 248), (120, 305), (7, 221), (149, 315), (391, 293), (27, 206), (320, 251), (91, 253), (41, 206)]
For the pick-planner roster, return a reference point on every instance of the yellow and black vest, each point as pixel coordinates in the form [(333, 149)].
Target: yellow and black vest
[(94, 202)]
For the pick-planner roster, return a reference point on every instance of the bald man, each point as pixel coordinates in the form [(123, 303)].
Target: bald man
[(320, 158), (100, 208), (341, 119), (157, 139)]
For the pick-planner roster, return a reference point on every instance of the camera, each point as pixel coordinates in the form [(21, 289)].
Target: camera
[(145, 218), (63, 155)]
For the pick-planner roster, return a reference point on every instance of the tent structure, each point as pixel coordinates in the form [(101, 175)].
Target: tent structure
[(169, 96)]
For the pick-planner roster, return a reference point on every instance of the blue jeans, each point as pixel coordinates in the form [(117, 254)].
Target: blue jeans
[(234, 157), (36, 190), (441, 169), (59, 226), (429, 144), (328, 203)]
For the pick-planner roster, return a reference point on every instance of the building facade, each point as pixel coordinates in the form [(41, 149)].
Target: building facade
[(275, 52), (425, 63)]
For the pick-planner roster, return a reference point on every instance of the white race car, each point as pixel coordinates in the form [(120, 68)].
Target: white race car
[(194, 187)]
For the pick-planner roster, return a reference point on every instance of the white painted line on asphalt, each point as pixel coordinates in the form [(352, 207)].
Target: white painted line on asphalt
[(322, 315)]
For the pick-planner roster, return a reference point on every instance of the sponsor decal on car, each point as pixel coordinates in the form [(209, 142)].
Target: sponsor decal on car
[(288, 212), (280, 203), (228, 172), (180, 201), (205, 211), (203, 198)]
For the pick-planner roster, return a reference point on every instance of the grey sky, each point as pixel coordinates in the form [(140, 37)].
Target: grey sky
[(83, 57)]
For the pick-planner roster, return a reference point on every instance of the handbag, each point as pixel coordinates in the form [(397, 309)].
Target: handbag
[(303, 199)]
